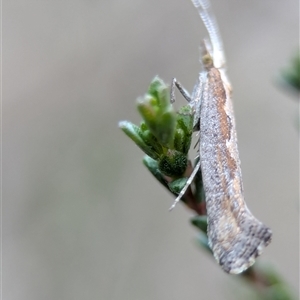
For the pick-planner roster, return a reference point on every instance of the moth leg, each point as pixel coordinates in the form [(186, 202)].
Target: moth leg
[(181, 89), (188, 183), (197, 143)]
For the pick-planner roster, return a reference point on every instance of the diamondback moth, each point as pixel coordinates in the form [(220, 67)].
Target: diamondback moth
[(235, 236)]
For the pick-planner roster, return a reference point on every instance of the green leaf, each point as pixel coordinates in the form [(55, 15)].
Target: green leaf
[(199, 191), (150, 140), (158, 113), (291, 75), (177, 185), (159, 90), (200, 222), (184, 130), (152, 166), (278, 292), (134, 132)]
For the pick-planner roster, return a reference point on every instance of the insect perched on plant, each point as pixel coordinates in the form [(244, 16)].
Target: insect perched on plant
[(235, 236)]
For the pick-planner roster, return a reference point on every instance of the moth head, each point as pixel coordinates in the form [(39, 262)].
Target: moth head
[(207, 59)]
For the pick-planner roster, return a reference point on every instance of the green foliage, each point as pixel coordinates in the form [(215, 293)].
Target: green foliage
[(164, 135), (177, 185), (291, 75), (200, 222)]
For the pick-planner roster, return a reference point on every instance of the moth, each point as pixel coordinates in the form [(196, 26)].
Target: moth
[(235, 236)]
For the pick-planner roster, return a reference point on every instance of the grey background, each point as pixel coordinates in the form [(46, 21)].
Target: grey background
[(82, 217)]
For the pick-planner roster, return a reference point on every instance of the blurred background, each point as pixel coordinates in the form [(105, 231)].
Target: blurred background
[(82, 217)]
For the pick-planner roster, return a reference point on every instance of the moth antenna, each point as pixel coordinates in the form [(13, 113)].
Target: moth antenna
[(208, 18)]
